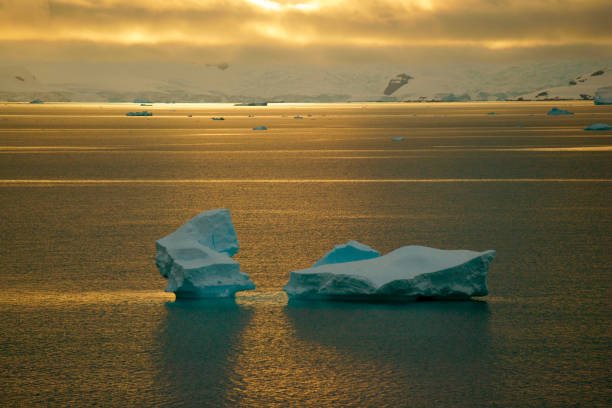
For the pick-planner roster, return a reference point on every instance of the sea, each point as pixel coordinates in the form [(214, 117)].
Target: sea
[(86, 190)]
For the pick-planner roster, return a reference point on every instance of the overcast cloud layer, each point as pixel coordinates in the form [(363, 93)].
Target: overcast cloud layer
[(314, 31)]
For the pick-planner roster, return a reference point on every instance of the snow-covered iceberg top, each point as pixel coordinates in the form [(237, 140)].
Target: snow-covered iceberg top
[(407, 273), (598, 126), (196, 258)]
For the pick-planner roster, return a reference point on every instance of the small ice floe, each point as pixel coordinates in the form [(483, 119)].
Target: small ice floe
[(219, 118), (197, 258), (556, 111), (298, 117), (598, 126), (260, 128), (406, 274), (491, 113), (397, 139), (36, 101), (143, 113)]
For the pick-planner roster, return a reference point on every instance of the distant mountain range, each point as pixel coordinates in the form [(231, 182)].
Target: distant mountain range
[(225, 82), (583, 86)]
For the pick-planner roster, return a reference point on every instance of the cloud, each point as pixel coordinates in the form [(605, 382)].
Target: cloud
[(309, 30)]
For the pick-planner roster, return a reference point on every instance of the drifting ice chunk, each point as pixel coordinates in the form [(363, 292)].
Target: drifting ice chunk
[(408, 273), (218, 118), (397, 139), (598, 126), (349, 252), (196, 258), (556, 111), (143, 113), (260, 128)]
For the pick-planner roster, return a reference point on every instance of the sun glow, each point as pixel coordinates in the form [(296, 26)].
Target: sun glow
[(273, 5), (270, 5)]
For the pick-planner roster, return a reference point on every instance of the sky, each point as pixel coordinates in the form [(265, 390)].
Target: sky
[(321, 32)]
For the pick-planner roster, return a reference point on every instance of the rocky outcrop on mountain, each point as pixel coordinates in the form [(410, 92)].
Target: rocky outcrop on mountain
[(396, 83)]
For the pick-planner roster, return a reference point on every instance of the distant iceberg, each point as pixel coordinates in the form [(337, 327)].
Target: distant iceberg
[(260, 128), (598, 126), (405, 274), (219, 118), (196, 258), (143, 113), (603, 96), (556, 111), (397, 139), (36, 101)]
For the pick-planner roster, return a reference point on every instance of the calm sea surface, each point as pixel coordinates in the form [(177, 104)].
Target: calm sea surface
[(85, 191)]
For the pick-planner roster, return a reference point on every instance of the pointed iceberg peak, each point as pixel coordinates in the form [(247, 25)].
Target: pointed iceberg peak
[(213, 229), (349, 252)]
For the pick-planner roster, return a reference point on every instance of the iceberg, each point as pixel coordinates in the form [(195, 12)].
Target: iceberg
[(219, 118), (196, 258), (603, 96), (406, 274), (598, 126), (556, 111), (143, 113), (349, 252), (397, 139), (260, 128)]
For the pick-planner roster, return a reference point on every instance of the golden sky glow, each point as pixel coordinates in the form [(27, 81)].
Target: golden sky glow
[(236, 25)]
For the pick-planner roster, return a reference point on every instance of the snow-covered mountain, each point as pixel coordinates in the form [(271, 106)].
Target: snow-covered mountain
[(228, 82), (583, 86)]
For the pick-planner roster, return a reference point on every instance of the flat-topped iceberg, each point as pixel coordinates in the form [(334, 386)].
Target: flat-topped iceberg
[(196, 258), (143, 113), (405, 274)]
